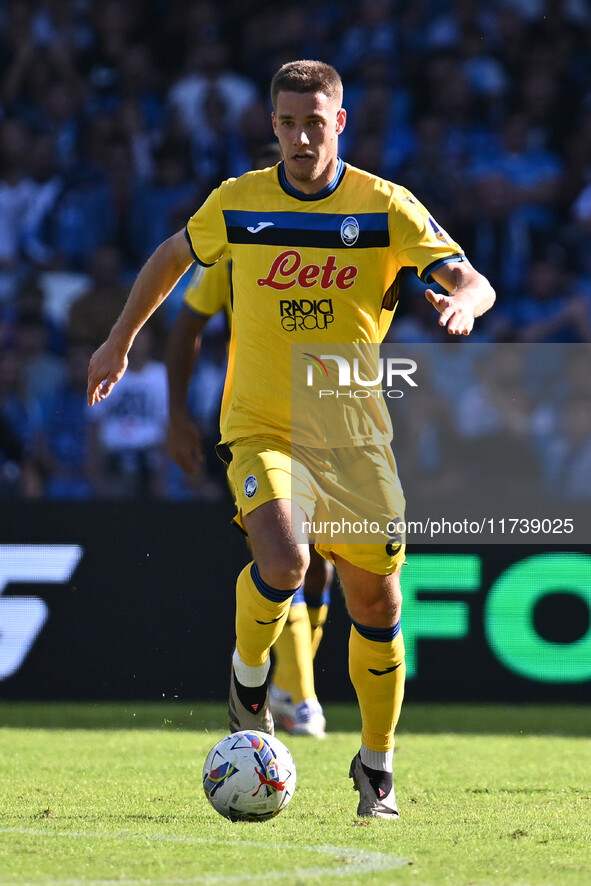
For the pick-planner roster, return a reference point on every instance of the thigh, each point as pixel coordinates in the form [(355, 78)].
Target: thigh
[(372, 600), (281, 560), (262, 470), (364, 510)]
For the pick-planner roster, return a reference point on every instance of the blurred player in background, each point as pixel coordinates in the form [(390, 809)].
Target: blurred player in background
[(295, 231), (293, 696)]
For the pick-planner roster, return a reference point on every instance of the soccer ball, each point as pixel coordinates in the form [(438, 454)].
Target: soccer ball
[(249, 776)]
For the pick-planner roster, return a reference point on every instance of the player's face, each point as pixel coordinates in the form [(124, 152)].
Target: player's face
[(308, 126)]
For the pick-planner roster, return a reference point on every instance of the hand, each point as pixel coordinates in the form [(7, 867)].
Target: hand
[(106, 367), (184, 444), (456, 311)]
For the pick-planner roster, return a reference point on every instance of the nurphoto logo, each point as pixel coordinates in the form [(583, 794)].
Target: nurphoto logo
[(387, 370)]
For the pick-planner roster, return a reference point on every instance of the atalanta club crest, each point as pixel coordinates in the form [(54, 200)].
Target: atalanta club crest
[(350, 231), (250, 486)]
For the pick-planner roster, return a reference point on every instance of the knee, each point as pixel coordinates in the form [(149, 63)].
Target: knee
[(284, 568), (379, 606), (383, 611)]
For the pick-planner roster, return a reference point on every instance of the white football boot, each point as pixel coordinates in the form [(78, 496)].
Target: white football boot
[(305, 718), (258, 718), (370, 804)]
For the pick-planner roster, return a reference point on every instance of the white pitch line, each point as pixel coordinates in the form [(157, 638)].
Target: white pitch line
[(356, 860)]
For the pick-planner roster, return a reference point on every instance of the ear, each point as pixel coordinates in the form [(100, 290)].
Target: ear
[(341, 120), (274, 122)]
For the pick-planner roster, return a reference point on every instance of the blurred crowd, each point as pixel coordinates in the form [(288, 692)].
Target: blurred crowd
[(117, 117), (496, 428)]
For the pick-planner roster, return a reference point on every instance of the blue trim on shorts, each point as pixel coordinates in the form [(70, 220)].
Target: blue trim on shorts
[(378, 635), (273, 594)]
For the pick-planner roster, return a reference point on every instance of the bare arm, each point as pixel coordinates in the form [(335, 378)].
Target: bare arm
[(182, 351), (469, 296), (154, 282)]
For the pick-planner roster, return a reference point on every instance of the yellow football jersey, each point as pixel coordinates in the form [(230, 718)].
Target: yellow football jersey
[(309, 270), (210, 291)]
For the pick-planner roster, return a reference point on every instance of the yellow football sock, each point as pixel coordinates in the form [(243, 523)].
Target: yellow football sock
[(377, 671), (317, 616), (293, 656), (260, 615)]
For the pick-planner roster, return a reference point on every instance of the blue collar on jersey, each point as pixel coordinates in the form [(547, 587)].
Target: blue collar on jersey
[(325, 192)]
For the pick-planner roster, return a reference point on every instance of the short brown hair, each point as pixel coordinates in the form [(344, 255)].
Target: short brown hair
[(307, 76)]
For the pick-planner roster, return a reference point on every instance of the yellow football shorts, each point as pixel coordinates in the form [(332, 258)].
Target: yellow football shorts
[(351, 497)]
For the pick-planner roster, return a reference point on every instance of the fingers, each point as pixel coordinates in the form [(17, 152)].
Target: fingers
[(92, 393), (457, 322), (104, 371), (187, 455), (459, 327), (451, 313), (185, 447), (98, 391), (435, 298), (190, 462)]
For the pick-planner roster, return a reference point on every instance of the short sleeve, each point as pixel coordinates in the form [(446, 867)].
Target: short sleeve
[(209, 289), (420, 242), (206, 231)]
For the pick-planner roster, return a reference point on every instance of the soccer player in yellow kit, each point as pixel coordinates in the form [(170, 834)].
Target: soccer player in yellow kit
[(293, 694), (314, 229)]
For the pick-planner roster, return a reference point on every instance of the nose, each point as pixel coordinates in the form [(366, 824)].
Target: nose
[(300, 137)]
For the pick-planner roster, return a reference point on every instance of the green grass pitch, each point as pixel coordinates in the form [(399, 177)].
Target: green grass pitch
[(111, 794)]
